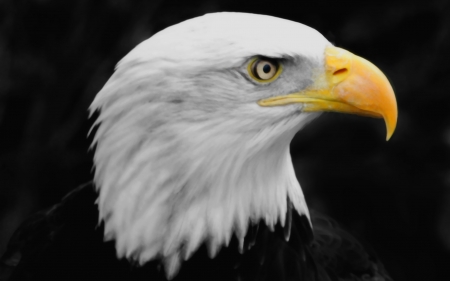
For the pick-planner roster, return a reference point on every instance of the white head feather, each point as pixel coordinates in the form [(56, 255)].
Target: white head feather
[(184, 154)]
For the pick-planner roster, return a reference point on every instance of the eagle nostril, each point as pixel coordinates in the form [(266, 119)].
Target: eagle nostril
[(340, 71)]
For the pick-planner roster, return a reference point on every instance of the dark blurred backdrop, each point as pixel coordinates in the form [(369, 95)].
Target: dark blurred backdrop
[(56, 55)]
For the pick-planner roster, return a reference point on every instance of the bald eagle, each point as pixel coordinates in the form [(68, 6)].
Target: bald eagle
[(193, 175)]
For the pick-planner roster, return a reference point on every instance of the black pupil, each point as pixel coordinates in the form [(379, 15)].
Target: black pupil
[(266, 68)]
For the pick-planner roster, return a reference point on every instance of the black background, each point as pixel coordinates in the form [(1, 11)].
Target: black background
[(56, 55)]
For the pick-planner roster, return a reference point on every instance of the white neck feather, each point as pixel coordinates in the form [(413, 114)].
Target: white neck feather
[(163, 195)]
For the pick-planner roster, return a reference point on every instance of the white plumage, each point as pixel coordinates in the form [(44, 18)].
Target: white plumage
[(184, 153)]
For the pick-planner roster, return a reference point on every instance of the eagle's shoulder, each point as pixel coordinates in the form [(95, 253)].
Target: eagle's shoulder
[(68, 228), (340, 256)]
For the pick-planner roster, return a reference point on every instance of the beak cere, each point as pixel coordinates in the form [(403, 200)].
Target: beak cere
[(354, 85)]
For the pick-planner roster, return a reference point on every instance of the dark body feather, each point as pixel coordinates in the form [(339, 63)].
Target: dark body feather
[(65, 242)]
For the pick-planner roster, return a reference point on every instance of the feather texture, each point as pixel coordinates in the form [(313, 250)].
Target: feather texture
[(184, 154), (65, 243)]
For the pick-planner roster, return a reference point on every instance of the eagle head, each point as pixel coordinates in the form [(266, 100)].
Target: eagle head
[(194, 128)]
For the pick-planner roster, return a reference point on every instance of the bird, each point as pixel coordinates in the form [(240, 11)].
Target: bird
[(193, 174)]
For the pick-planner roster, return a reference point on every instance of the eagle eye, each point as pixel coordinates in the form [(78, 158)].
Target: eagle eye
[(264, 69)]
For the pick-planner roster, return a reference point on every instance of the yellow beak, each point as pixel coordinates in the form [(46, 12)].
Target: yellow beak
[(352, 85)]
